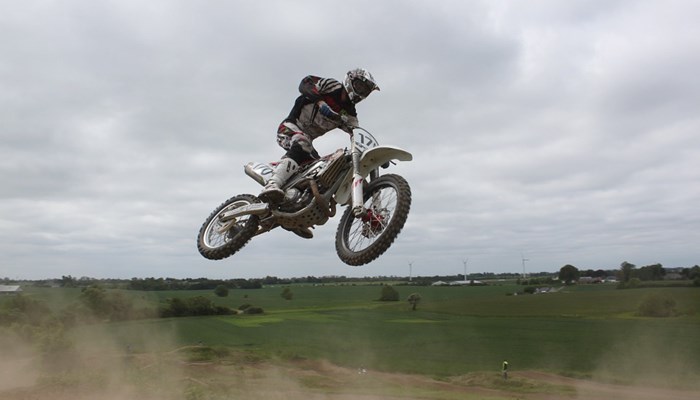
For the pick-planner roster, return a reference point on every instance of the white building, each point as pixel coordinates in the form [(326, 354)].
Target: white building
[(10, 289)]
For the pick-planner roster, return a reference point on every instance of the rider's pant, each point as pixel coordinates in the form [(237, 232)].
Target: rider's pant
[(297, 143)]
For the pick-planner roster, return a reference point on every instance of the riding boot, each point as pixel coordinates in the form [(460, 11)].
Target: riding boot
[(272, 192)]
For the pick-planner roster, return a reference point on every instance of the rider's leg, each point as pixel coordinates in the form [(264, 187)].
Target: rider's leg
[(299, 150), (289, 137), (272, 192)]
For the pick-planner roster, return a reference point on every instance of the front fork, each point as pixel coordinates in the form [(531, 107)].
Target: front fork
[(358, 196), (358, 200)]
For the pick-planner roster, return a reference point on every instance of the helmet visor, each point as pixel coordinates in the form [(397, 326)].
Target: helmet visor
[(363, 87)]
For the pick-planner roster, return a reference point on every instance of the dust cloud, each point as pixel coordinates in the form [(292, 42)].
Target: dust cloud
[(648, 359), (17, 363), (89, 363)]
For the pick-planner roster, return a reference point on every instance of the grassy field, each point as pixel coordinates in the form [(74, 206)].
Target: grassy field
[(311, 347), (582, 331)]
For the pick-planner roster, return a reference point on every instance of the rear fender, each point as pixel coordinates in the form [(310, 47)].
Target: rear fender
[(369, 161)]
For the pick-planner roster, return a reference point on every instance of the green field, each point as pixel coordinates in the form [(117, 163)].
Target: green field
[(584, 331)]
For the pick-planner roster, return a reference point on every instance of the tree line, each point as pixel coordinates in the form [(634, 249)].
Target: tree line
[(160, 284), (625, 273), (629, 275)]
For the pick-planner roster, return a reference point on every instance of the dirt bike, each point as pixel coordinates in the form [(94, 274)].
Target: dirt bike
[(377, 206)]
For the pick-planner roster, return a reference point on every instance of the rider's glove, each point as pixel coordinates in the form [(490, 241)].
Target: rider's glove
[(348, 123), (327, 111)]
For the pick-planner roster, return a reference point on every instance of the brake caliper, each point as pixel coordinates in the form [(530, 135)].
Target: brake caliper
[(372, 223)]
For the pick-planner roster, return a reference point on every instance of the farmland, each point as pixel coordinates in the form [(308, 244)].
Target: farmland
[(589, 332)]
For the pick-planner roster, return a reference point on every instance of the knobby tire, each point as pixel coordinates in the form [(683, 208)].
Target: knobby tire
[(232, 240), (348, 223)]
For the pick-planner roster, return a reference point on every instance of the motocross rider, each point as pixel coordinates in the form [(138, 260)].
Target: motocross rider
[(324, 104)]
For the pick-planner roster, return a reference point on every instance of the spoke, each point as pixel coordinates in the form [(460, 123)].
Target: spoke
[(215, 239), (363, 234)]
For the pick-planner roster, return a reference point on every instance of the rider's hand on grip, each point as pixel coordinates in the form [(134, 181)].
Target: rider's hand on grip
[(346, 123)]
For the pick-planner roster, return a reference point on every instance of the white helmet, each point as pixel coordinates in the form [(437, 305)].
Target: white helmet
[(359, 83)]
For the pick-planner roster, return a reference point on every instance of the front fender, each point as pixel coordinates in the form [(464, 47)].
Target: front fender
[(380, 155), (369, 161)]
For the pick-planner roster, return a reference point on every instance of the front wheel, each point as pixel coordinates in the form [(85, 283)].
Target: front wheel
[(361, 240), (217, 239)]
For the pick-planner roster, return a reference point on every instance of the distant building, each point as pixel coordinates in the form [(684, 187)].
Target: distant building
[(590, 279), (466, 283), (458, 283), (10, 289)]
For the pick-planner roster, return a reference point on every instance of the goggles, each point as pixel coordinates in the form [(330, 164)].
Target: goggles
[(362, 87)]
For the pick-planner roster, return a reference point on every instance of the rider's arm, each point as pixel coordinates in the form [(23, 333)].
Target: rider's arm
[(314, 87), (344, 120), (327, 111)]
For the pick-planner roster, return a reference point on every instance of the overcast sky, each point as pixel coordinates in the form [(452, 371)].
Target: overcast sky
[(563, 132)]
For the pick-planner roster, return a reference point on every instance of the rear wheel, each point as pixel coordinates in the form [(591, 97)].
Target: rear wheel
[(361, 240), (217, 239)]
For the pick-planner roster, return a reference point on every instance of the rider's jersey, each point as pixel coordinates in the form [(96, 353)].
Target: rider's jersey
[(305, 113)]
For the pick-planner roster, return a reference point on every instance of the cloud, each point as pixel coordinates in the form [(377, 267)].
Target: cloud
[(565, 131)]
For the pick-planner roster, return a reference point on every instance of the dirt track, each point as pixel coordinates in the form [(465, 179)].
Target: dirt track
[(586, 389), (312, 380)]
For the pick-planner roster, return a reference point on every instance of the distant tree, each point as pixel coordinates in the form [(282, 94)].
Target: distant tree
[(655, 272), (94, 297), (177, 307), (599, 273), (221, 291), (254, 310), (111, 305), (194, 306), (251, 284), (200, 305), (626, 271), (270, 280), (569, 274), (120, 307), (23, 309), (287, 293), (389, 294), (658, 306), (631, 284), (67, 281), (413, 300), (694, 272)]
